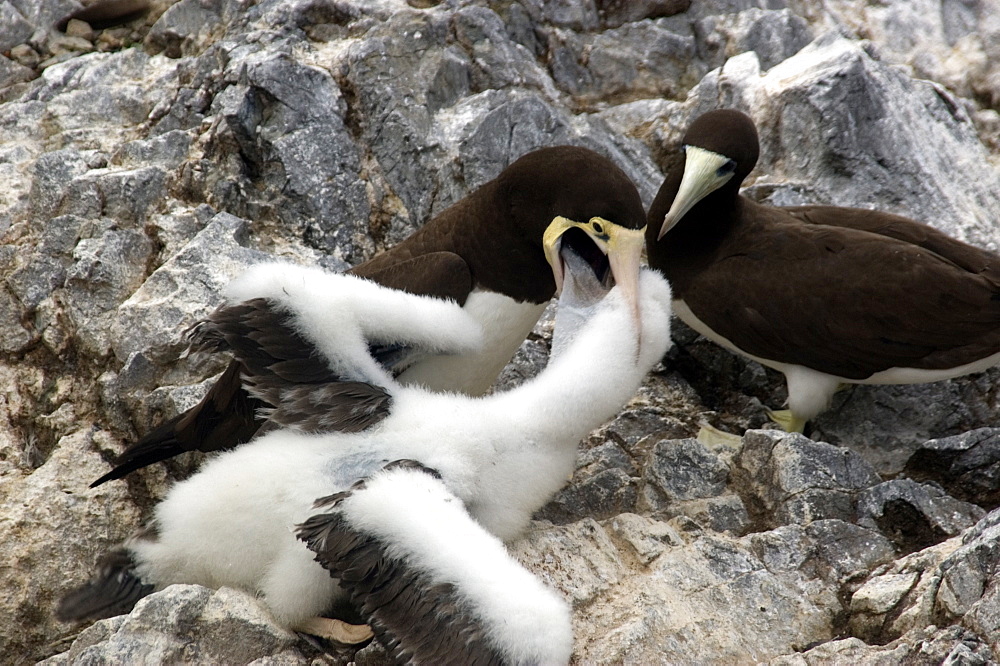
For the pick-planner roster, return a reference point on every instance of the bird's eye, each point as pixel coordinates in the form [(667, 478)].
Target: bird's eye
[(726, 169), (598, 228)]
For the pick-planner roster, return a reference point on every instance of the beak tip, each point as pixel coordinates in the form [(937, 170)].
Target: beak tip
[(664, 227)]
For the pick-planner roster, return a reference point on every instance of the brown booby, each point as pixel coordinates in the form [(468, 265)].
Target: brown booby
[(493, 252), (405, 520), (826, 295)]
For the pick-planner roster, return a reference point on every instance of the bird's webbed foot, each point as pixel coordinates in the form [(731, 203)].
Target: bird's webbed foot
[(336, 630), (787, 420)]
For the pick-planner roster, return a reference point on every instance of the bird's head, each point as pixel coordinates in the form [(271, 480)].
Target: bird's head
[(720, 149), (573, 198)]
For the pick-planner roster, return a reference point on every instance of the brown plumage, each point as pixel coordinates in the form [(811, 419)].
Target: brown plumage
[(491, 240), (845, 292)]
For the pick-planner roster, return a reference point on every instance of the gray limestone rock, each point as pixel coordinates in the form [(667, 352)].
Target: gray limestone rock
[(134, 182), (53, 173), (12, 71), (579, 16), (169, 301), (604, 485), (683, 477), (45, 269), (288, 155), (497, 61), (167, 150), (616, 12), (832, 551), (967, 574), (44, 510), (659, 612), (950, 645), (14, 335), (685, 469), (952, 583), (787, 478), (46, 13), (636, 60), (914, 516), (967, 465), (106, 269), (190, 624), (952, 42), (773, 35), (889, 423), (14, 29), (186, 27)]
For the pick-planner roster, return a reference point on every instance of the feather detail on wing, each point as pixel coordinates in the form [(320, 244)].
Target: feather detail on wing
[(920, 310), (343, 317), (432, 583), (313, 350), (320, 349), (284, 370)]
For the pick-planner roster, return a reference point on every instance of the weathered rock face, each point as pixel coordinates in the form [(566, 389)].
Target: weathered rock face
[(148, 157)]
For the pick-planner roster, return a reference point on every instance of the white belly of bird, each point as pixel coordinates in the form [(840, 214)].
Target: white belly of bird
[(889, 376), (506, 323)]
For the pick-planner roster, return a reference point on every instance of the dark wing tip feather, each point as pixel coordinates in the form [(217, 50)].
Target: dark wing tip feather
[(158, 444), (114, 591), (224, 418), (277, 375)]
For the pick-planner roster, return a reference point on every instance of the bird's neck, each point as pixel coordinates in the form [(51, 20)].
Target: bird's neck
[(578, 391), (585, 385), (695, 241)]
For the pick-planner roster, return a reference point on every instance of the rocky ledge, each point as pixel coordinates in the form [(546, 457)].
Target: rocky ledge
[(148, 156)]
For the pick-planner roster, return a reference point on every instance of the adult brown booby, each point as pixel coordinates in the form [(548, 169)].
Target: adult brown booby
[(825, 295), (494, 252), (405, 520)]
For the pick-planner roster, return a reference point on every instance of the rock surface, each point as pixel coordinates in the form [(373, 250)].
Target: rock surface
[(148, 155)]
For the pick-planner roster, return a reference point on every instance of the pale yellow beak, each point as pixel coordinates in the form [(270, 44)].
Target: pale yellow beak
[(703, 174), (622, 246)]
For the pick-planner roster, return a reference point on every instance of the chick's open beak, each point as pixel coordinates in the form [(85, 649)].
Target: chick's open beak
[(623, 248)]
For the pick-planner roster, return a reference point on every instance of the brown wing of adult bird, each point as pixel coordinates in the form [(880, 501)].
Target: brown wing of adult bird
[(490, 252), (825, 295)]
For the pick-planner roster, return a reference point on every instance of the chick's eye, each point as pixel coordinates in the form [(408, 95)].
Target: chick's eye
[(598, 228)]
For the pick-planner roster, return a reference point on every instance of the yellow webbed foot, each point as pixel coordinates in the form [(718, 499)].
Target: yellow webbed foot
[(786, 420), (336, 630), (714, 438)]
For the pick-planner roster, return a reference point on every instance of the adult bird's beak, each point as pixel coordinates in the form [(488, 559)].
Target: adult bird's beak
[(621, 246), (704, 172)]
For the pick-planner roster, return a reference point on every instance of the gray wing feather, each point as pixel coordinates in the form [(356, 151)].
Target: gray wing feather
[(284, 370), (417, 618)]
